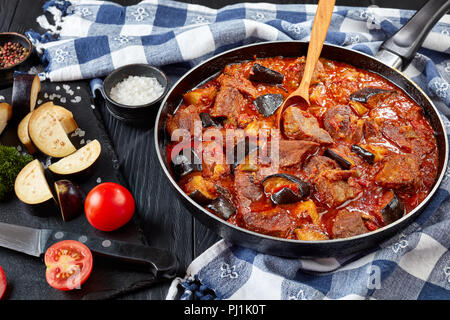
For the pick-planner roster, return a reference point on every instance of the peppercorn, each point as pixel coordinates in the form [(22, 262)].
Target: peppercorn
[(12, 53)]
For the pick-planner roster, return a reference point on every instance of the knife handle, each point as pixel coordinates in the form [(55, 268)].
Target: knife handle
[(161, 263)]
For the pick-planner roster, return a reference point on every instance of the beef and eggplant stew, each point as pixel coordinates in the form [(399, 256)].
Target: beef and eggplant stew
[(358, 158)]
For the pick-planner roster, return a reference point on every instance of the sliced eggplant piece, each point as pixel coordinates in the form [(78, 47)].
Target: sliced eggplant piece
[(365, 94), (70, 199), (48, 133), (269, 103), (394, 210), (31, 188), (240, 151), (285, 188), (186, 162), (24, 137), (363, 153), (262, 74), (341, 161), (208, 121), (78, 165), (223, 207), (5, 115), (25, 91), (64, 116)]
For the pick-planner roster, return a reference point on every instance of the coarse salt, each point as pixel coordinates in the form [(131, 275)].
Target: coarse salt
[(135, 90)]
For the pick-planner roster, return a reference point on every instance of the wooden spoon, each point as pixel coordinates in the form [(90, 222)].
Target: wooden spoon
[(321, 23)]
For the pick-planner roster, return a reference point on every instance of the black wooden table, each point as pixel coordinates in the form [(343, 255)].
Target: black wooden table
[(164, 220)]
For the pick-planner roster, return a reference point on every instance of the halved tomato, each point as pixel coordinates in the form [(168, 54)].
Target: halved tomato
[(69, 265), (2, 283)]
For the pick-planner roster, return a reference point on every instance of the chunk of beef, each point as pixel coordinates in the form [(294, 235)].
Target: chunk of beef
[(274, 222), (334, 187), (399, 171), (247, 189), (290, 152), (295, 71), (228, 103), (400, 135), (319, 164), (302, 125), (342, 124), (372, 131), (239, 83), (406, 138), (348, 224), (184, 119)]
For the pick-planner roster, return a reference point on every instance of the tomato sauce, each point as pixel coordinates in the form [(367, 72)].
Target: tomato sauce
[(348, 193)]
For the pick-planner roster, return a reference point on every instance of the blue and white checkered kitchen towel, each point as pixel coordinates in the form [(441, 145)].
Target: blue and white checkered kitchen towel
[(89, 39)]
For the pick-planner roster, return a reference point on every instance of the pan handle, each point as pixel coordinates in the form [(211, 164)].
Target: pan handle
[(406, 41)]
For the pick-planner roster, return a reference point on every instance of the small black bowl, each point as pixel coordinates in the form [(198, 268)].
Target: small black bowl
[(136, 115), (6, 74)]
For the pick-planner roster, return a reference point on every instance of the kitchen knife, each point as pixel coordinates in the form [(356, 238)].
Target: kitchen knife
[(35, 242)]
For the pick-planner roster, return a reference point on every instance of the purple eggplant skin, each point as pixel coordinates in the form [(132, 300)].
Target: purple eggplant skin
[(23, 87), (223, 207), (363, 153), (208, 121), (269, 103), (342, 162), (183, 164), (200, 198), (394, 210), (262, 74), (286, 195), (246, 147), (70, 198), (363, 95)]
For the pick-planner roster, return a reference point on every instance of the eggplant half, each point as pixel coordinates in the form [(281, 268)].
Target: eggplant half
[(365, 94), (222, 207), (78, 165), (26, 88), (285, 188), (64, 116), (48, 133), (70, 199), (186, 162), (5, 115), (394, 210), (31, 188), (262, 74), (340, 160), (363, 153), (269, 103)]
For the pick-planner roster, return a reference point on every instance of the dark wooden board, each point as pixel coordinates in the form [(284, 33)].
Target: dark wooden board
[(15, 212)]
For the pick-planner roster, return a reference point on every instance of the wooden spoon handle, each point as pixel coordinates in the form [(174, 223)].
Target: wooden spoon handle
[(321, 23)]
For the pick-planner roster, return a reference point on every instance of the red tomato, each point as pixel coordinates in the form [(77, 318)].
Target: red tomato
[(109, 206), (69, 265), (2, 283)]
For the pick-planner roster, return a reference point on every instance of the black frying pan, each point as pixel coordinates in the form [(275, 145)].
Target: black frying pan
[(395, 53)]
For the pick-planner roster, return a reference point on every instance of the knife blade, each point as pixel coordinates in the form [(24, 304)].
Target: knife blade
[(35, 242)]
